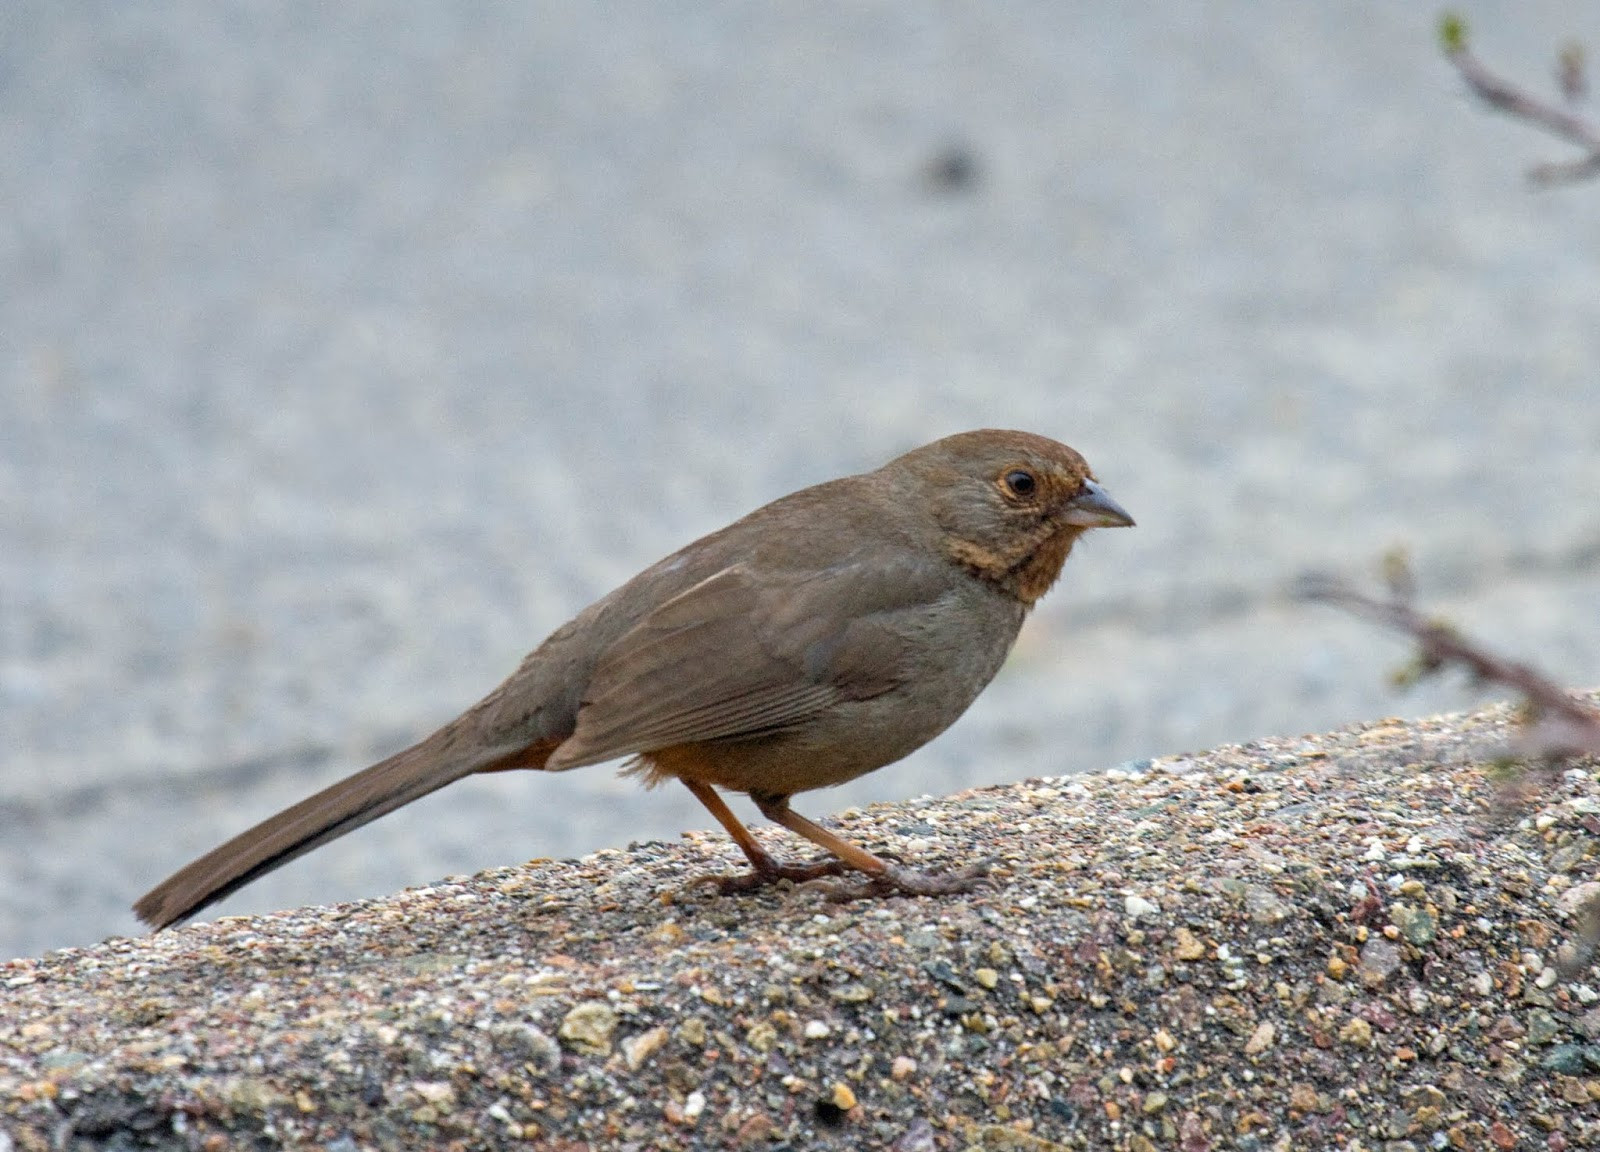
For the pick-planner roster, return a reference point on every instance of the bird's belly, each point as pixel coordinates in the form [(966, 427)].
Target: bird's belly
[(849, 739)]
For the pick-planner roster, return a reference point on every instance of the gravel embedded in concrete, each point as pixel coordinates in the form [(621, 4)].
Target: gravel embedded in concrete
[(1345, 940)]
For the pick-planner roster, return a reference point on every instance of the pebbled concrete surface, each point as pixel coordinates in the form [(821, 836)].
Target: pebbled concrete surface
[(345, 355)]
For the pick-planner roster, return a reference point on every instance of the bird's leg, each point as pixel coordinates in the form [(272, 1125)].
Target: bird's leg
[(883, 877), (766, 869)]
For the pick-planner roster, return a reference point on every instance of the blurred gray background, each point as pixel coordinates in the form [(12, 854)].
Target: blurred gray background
[(350, 349)]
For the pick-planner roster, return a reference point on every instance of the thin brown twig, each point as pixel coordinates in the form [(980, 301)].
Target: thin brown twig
[(1564, 726), (1565, 171), (1515, 100)]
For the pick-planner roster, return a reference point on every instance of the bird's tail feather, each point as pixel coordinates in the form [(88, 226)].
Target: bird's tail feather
[(425, 767)]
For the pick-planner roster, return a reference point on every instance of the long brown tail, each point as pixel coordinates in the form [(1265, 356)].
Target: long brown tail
[(446, 756)]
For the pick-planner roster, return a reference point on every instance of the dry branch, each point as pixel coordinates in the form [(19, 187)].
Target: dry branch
[(1561, 726), (1514, 100)]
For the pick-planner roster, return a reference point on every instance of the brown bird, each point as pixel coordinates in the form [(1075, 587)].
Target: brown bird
[(822, 636)]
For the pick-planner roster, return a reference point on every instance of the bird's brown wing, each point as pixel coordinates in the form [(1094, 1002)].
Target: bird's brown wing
[(738, 656)]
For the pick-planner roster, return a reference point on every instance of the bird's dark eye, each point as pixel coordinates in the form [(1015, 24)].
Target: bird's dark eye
[(1021, 482)]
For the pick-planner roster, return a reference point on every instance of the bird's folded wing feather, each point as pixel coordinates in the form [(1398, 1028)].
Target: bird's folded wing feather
[(735, 657)]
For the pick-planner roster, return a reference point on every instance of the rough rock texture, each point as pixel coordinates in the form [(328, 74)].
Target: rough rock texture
[(1352, 940)]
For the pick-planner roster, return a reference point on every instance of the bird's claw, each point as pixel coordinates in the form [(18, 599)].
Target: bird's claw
[(771, 874), (898, 881)]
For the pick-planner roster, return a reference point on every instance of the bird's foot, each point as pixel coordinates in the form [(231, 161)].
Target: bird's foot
[(900, 881), (773, 871)]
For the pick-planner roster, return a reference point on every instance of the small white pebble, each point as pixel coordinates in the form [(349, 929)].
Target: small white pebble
[(1482, 984), (1544, 823), (434, 1092), (1138, 908), (1585, 994), (1547, 978), (816, 1030), (694, 1105), (1578, 895)]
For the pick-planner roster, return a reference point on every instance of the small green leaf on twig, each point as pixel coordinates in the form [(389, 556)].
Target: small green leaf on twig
[(1570, 72), (1408, 675), (1452, 34), (1397, 575)]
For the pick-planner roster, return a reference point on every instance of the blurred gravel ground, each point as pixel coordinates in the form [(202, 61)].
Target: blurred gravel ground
[(343, 355)]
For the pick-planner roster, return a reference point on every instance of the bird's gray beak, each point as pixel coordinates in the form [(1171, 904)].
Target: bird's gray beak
[(1094, 508)]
